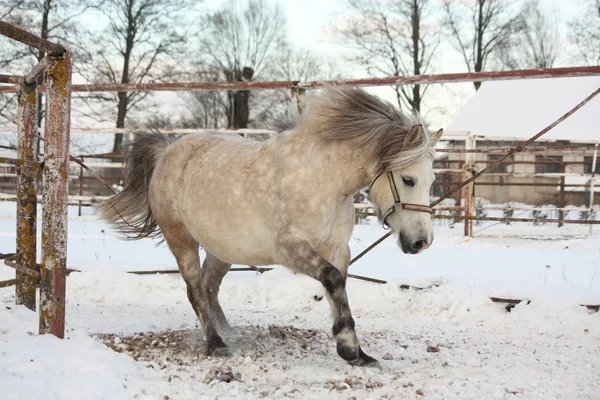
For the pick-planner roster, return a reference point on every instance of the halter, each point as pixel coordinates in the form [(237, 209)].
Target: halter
[(398, 204)]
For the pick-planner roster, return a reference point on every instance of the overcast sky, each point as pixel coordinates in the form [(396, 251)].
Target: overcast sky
[(309, 23), (309, 27)]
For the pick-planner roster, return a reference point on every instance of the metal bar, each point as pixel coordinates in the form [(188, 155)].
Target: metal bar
[(56, 190), (80, 189), (96, 176), (480, 183), (6, 117), (8, 283), (30, 39), (366, 278), (525, 150), (527, 162), (498, 219), (242, 269), (561, 196), (365, 251), (167, 131), (592, 180), (15, 79), (32, 273), (365, 82), (458, 208), (469, 193), (27, 154), (532, 162), (8, 160), (37, 71)]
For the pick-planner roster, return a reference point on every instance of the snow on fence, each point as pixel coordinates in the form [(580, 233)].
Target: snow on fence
[(51, 274)]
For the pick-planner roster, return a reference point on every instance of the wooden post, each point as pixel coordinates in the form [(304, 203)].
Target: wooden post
[(469, 188), (27, 154), (56, 190)]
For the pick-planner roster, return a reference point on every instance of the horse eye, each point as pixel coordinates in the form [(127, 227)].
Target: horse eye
[(408, 182)]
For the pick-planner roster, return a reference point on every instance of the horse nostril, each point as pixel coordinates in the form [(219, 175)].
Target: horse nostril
[(418, 245)]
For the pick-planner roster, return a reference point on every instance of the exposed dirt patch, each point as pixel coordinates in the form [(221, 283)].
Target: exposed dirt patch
[(187, 347)]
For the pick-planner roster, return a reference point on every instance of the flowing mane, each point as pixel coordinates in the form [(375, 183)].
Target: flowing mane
[(373, 125)]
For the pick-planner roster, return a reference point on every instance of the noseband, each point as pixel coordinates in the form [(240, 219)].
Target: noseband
[(398, 204)]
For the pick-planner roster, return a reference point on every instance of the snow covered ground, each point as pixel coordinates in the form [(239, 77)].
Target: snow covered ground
[(136, 337)]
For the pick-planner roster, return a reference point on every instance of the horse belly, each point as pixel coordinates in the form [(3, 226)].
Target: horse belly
[(236, 244)]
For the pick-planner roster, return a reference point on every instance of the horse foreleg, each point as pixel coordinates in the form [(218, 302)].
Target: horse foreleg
[(302, 258), (213, 271)]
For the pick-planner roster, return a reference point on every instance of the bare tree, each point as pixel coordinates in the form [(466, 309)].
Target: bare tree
[(537, 44), (585, 33), (240, 41), (481, 29), (55, 20), (210, 108), (392, 38), (205, 108), (139, 45)]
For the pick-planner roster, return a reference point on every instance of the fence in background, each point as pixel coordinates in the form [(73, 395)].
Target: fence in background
[(86, 190), (55, 165)]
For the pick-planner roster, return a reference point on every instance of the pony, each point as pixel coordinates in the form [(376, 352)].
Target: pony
[(284, 201)]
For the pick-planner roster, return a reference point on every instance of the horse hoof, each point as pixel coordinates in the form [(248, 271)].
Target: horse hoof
[(348, 353), (364, 360), (219, 352), (217, 348)]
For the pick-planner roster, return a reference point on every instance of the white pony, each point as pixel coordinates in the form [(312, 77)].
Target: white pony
[(286, 201)]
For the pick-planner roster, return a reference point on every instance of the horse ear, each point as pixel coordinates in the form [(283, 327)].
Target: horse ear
[(413, 135), (435, 136)]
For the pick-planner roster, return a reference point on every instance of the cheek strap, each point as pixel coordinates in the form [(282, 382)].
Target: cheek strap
[(398, 204)]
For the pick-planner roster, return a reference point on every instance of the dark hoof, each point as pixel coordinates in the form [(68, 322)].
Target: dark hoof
[(364, 360), (217, 348), (348, 353)]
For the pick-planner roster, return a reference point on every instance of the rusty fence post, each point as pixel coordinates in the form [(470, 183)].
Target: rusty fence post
[(592, 180), (27, 154), (80, 188), (297, 92), (469, 188), (561, 196), (56, 191)]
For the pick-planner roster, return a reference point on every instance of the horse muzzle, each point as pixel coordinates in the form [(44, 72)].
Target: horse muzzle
[(412, 247)]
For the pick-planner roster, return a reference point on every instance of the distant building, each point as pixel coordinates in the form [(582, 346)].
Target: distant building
[(506, 113)]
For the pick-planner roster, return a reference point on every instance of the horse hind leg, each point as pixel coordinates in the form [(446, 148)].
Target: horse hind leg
[(213, 271), (185, 249)]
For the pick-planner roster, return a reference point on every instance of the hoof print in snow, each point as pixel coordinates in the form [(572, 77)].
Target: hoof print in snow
[(316, 297), (417, 288), (277, 332), (433, 349), (222, 374), (353, 383)]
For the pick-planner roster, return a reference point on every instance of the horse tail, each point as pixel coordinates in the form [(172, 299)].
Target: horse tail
[(129, 211)]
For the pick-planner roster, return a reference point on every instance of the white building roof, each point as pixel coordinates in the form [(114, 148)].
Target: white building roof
[(520, 109), (581, 180)]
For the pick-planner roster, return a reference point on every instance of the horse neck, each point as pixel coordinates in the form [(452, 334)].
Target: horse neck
[(345, 169)]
